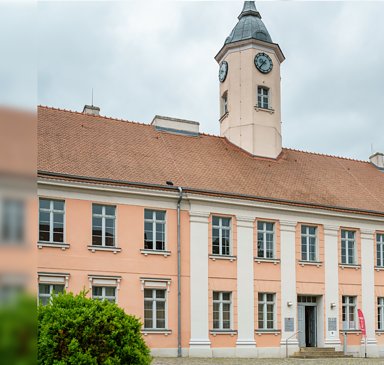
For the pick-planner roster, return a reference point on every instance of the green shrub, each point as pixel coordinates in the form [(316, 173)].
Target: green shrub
[(81, 331)]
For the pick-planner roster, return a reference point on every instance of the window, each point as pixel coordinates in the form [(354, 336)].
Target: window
[(51, 220), (348, 247), (265, 240), (103, 225), (221, 231), (46, 290), (154, 230), (349, 312), (266, 310), (380, 249), (308, 243), (380, 313), (154, 308), (104, 293), (221, 310), (263, 97), (224, 103), (12, 221)]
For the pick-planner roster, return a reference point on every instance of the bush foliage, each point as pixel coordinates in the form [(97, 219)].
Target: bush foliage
[(83, 331)]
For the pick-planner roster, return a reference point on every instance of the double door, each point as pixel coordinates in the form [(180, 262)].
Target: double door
[(307, 324)]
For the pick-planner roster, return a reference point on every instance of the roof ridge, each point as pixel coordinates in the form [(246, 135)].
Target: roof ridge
[(323, 154)]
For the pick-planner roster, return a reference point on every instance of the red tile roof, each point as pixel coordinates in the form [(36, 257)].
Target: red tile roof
[(74, 143)]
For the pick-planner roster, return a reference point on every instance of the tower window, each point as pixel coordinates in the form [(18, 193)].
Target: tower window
[(263, 97), (224, 103)]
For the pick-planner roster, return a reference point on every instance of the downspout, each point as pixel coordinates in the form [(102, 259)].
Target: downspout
[(178, 273)]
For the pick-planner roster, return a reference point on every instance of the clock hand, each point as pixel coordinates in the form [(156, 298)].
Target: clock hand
[(263, 63)]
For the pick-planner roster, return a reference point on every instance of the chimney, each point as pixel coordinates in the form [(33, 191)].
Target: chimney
[(174, 125), (377, 160), (90, 109)]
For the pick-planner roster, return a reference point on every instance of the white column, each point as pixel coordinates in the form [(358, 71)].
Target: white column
[(199, 343), (288, 281), (368, 289), (245, 344), (331, 267)]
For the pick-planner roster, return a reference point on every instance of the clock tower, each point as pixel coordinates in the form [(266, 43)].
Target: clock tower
[(249, 76)]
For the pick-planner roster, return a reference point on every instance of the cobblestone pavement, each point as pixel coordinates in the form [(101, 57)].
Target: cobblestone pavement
[(216, 361)]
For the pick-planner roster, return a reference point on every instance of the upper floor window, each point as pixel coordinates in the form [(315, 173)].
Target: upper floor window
[(12, 221), (154, 308), (221, 232), (308, 243), (51, 220), (265, 240), (349, 312), (266, 310), (46, 291), (348, 247), (380, 313), (224, 103), (154, 230), (380, 249), (103, 225), (263, 97), (222, 310), (104, 293)]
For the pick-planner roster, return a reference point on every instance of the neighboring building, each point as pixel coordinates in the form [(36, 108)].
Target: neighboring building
[(273, 240)]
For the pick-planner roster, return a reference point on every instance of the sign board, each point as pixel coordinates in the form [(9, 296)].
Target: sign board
[(332, 335), (289, 324), (332, 324)]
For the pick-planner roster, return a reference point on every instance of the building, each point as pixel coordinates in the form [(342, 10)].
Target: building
[(272, 240)]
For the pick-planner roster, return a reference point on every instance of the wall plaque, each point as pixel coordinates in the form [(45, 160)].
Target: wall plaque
[(332, 324), (289, 324)]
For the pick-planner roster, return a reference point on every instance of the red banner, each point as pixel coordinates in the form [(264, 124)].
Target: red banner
[(362, 322)]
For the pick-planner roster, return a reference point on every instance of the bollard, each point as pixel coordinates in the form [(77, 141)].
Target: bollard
[(345, 344)]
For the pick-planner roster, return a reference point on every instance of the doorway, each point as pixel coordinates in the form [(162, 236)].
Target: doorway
[(307, 320)]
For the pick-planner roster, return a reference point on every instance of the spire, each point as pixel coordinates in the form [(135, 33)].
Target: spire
[(249, 8)]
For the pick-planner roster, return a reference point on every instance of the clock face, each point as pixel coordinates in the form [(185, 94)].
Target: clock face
[(263, 63), (223, 71)]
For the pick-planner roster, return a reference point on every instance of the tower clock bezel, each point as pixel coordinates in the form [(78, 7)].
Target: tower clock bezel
[(262, 55), (223, 65)]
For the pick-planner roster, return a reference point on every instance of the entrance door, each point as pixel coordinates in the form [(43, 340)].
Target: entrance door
[(301, 324), (312, 327)]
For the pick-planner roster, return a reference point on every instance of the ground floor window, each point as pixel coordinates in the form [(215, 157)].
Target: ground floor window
[(104, 293), (349, 312), (380, 313), (266, 310), (154, 308), (46, 291), (222, 310)]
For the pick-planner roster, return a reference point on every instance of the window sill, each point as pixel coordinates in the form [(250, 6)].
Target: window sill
[(103, 248), (313, 263), (350, 266), (380, 332), (271, 111), (63, 246), (379, 268), (263, 332), (154, 331), (222, 257), (262, 259), (223, 332), (155, 252), (358, 332), (223, 117)]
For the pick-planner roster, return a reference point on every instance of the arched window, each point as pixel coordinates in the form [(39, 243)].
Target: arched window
[(224, 103), (263, 97)]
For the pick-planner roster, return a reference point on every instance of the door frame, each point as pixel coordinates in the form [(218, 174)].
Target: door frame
[(302, 334)]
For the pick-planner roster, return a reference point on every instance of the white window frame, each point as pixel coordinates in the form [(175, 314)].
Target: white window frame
[(220, 227), (307, 236), (103, 217), (154, 222), (224, 103), (264, 231), (221, 301), (263, 96), (380, 313), (265, 302), (154, 300), (103, 295), (380, 250), (348, 307), (49, 296), (12, 220), (354, 261), (51, 211)]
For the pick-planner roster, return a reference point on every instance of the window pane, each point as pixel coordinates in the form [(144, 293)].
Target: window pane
[(97, 209), (58, 288), (260, 226), (160, 293), (260, 297), (225, 222), (110, 210), (216, 295), (97, 291), (44, 289), (226, 296), (269, 297), (148, 214), (312, 230), (109, 291), (110, 241), (147, 293), (44, 300), (44, 203), (57, 205), (342, 234), (160, 216), (96, 240), (215, 221)]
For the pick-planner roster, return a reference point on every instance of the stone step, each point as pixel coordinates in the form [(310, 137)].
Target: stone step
[(316, 349), (320, 353), (317, 356)]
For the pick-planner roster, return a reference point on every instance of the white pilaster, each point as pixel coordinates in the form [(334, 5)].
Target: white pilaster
[(199, 342), (331, 267), (288, 280), (245, 343), (368, 289)]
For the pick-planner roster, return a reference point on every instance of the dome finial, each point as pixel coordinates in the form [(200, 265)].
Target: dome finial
[(248, 9)]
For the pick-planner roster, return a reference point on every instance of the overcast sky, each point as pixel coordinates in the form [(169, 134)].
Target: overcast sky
[(146, 58)]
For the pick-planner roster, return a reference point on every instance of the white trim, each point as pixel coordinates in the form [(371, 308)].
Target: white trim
[(154, 222), (154, 280), (49, 275), (265, 231), (222, 228), (258, 260), (313, 263), (103, 217), (154, 300), (154, 331), (347, 240), (223, 332), (221, 257), (147, 252), (350, 266), (267, 332), (54, 279), (104, 277), (379, 268), (63, 246), (104, 248), (51, 212)]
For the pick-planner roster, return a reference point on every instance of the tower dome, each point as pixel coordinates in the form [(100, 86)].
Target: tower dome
[(249, 26)]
